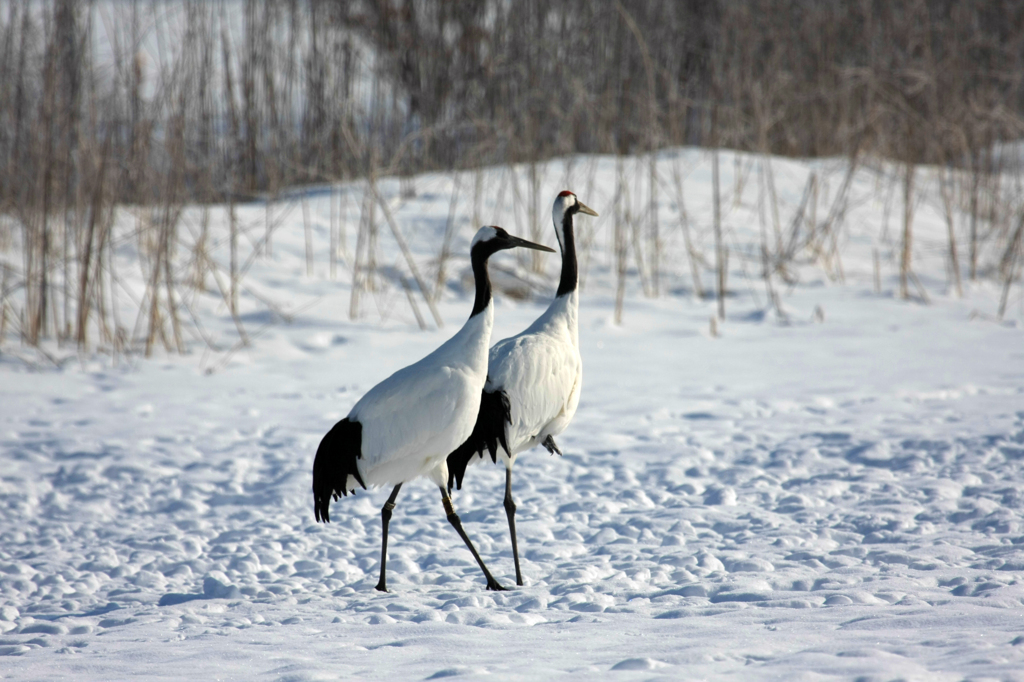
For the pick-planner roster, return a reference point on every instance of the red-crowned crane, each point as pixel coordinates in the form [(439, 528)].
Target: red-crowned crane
[(533, 379), (405, 426)]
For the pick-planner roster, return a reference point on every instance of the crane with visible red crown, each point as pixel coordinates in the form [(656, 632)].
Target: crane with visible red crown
[(533, 378), (405, 426)]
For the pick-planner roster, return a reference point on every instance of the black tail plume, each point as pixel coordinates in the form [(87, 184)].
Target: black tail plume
[(489, 432), (335, 462)]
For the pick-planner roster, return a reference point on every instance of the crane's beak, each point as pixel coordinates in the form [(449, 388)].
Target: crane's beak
[(516, 241), (586, 209)]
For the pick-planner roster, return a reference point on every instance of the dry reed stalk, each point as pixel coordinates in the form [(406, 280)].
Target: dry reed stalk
[(410, 262), (789, 251), (947, 206), (524, 259), (370, 268), (908, 234), (169, 289), (87, 265), (274, 307), (343, 225), (501, 205), (446, 242), (766, 261), (200, 252), (815, 193), (412, 303), (233, 256), (333, 258), (973, 237), (1011, 258), (357, 285), (825, 247), (741, 174), (257, 250), (720, 255), (268, 244), (533, 217), (3, 303), (569, 175), (152, 297), (773, 198), (835, 257), (588, 229), (621, 243), (115, 335), (226, 294), (634, 223), (143, 251), (307, 230), (684, 225), (770, 291), (655, 231), (478, 188)]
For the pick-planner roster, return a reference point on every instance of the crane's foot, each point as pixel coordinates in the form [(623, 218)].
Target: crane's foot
[(549, 443), (381, 587), (493, 584)]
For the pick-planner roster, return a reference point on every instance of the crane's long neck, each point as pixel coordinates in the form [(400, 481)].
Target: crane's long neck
[(570, 275), (479, 258), (473, 340)]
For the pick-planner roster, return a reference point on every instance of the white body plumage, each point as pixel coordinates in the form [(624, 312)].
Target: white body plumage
[(534, 378), (541, 372), (405, 426), (415, 417)]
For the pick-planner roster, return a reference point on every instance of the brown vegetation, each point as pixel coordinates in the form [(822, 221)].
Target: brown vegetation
[(194, 102)]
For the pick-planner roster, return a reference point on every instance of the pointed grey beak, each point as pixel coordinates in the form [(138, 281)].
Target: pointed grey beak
[(516, 241), (586, 209)]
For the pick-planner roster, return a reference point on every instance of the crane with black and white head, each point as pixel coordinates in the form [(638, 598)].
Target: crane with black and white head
[(533, 379), (405, 426)]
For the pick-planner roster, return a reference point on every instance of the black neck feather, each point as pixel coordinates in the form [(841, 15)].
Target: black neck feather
[(479, 255), (570, 275)]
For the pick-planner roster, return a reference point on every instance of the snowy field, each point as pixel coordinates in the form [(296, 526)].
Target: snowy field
[(830, 493)]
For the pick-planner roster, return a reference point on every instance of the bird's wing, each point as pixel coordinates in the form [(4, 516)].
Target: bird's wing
[(540, 374), (409, 420)]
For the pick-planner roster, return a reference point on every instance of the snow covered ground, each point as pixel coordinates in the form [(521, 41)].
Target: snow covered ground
[(833, 494)]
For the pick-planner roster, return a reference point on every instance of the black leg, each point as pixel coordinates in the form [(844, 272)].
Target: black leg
[(510, 511), (385, 516), (453, 519)]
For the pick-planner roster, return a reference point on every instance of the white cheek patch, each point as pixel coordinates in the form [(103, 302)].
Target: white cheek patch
[(558, 213)]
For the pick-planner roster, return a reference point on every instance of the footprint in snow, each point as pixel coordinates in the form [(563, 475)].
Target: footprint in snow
[(639, 664)]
